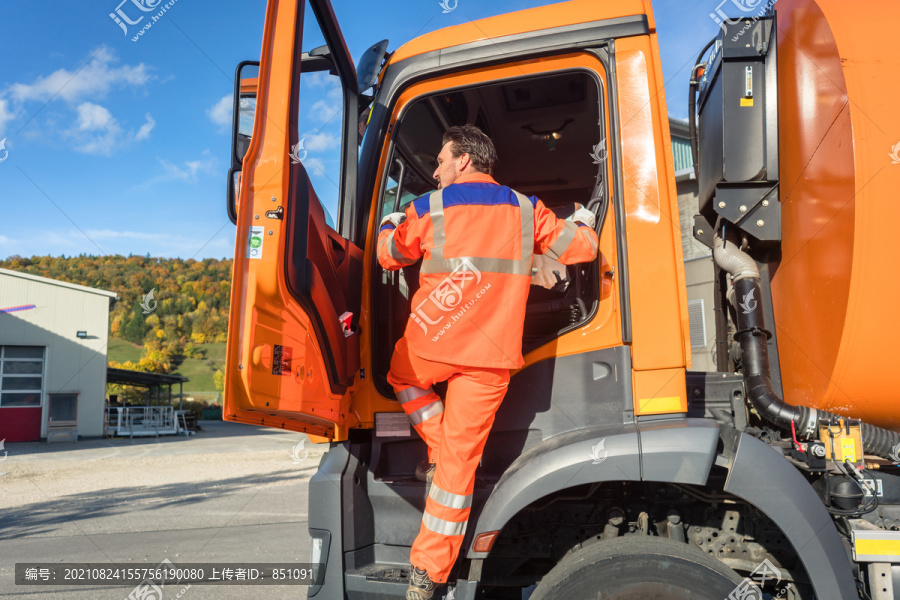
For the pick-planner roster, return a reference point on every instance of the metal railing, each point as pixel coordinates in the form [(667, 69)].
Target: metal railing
[(142, 420)]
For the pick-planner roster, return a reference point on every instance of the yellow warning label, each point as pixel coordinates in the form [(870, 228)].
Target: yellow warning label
[(885, 549), (848, 449), (669, 404), (746, 101)]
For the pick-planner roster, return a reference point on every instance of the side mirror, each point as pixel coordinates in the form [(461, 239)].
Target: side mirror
[(246, 80), (370, 65)]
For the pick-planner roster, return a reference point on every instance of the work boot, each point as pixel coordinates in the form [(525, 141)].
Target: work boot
[(425, 471), (421, 587)]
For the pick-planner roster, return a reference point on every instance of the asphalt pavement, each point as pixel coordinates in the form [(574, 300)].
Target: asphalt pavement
[(233, 493)]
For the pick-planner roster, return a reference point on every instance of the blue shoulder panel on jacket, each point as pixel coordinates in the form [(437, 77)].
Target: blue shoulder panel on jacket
[(468, 194), (421, 205)]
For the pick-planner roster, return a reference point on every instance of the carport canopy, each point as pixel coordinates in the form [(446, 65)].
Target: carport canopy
[(151, 381)]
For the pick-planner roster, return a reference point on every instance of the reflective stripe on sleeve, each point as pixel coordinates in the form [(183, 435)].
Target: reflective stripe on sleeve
[(395, 252), (411, 393), (448, 499), (443, 527), (426, 412), (562, 243)]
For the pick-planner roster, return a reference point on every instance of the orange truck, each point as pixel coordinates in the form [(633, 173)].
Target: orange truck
[(613, 471)]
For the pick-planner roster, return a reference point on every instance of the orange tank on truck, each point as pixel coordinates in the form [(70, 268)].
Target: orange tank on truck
[(612, 468)]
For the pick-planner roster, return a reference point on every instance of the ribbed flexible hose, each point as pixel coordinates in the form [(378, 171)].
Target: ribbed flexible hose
[(752, 336)]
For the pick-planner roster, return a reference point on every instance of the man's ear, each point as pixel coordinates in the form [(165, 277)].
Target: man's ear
[(464, 161)]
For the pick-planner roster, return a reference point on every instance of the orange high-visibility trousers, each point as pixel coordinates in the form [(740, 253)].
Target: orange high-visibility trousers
[(455, 435)]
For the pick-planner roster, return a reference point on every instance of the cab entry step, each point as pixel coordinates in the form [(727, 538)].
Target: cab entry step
[(377, 582)]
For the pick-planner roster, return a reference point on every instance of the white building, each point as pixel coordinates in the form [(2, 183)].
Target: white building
[(698, 262), (53, 339)]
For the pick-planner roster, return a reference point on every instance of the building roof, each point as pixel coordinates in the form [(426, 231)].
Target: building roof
[(48, 281), (680, 128), (140, 378)]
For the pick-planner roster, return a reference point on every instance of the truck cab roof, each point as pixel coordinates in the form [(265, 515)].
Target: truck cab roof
[(563, 14)]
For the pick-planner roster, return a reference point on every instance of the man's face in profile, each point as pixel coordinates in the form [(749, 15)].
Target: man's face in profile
[(448, 167)]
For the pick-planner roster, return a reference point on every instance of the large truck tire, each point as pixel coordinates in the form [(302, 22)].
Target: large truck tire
[(638, 568)]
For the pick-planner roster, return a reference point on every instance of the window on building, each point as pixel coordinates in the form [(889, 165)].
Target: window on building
[(21, 375), (62, 409), (697, 318)]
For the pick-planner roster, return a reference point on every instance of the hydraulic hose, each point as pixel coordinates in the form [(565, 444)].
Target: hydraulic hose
[(752, 336)]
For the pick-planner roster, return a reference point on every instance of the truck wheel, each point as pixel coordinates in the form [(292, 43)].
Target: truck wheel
[(638, 568)]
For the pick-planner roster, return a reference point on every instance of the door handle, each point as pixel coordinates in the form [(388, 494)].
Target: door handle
[(338, 251)]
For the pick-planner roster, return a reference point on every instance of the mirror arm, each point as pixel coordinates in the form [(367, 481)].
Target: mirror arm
[(311, 63)]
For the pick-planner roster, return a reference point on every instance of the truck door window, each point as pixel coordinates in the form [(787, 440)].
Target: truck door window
[(414, 185), (319, 120)]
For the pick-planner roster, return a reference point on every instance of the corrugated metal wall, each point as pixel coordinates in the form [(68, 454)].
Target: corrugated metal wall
[(71, 364), (681, 152)]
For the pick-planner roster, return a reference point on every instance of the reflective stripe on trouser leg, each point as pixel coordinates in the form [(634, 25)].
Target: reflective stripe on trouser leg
[(473, 397), (444, 527), (426, 413), (449, 499), (411, 393)]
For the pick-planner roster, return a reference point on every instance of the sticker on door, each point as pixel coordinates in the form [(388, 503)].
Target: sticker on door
[(255, 242)]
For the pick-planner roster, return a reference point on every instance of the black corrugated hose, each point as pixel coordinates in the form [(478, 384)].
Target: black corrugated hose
[(752, 336)]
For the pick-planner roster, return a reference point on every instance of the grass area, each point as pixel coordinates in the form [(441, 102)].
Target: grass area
[(199, 371), (122, 351), (215, 353)]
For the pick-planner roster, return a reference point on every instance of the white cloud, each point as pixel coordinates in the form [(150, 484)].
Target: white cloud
[(317, 79), (97, 131), (6, 240), (187, 171), (6, 114), (204, 165), (325, 87), (314, 166), (144, 132), (319, 142), (220, 112), (93, 80), (92, 117), (325, 110)]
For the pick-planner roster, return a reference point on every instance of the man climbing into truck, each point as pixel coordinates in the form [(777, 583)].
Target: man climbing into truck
[(476, 239)]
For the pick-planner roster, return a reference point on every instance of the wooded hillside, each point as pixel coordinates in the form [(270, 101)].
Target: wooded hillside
[(189, 305)]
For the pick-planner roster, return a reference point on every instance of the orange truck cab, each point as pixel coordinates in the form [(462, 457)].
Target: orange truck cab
[(612, 469)]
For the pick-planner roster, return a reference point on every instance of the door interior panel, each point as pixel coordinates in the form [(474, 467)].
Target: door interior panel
[(326, 270)]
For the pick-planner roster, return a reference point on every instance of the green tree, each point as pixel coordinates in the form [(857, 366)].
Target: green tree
[(136, 327), (219, 379)]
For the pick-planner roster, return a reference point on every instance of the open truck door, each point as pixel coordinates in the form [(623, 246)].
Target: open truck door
[(293, 344)]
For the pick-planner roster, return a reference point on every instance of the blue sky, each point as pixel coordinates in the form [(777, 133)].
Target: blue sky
[(118, 146)]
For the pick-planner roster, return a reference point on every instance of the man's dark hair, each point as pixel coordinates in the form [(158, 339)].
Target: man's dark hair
[(468, 139)]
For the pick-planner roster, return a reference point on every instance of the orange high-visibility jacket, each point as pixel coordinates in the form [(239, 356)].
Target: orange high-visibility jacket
[(477, 239)]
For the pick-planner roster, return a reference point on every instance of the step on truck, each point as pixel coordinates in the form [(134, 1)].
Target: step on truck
[(613, 470)]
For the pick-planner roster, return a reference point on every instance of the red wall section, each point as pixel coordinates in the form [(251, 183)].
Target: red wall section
[(20, 424)]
